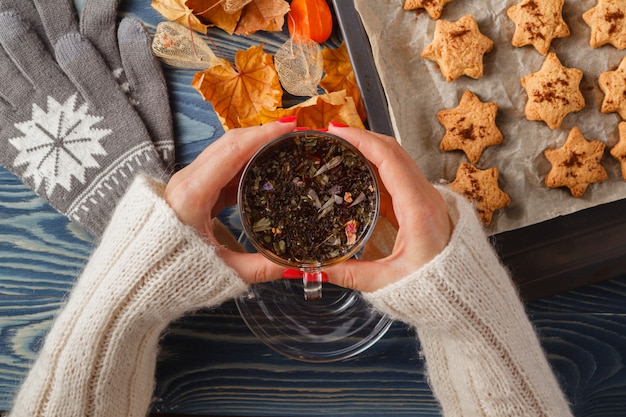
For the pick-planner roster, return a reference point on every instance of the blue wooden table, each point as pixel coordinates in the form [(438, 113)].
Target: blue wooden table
[(211, 363)]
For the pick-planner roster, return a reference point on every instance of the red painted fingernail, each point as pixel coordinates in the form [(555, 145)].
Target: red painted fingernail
[(287, 119), (322, 130), (291, 273), (337, 124), (301, 129)]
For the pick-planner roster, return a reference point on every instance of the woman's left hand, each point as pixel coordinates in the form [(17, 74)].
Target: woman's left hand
[(198, 192)]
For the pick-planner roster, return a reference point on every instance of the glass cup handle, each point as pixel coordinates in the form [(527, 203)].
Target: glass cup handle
[(312, 281)]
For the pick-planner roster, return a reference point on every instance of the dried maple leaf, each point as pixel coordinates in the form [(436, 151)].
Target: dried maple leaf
[(212, 12), (267, 15), (266, 116), (318, 111), (177, 11), (315, 112), (240, 93), (340, 76)]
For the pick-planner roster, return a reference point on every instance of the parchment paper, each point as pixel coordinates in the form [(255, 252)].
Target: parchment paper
[(416, 91)]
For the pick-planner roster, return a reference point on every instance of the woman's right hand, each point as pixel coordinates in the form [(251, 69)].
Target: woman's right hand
[(409, 201)]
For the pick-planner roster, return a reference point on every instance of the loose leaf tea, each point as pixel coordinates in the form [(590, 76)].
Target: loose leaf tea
[(309, 199)]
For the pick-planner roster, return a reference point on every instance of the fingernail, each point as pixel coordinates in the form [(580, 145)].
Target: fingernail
[(291, 273), (337, 124), (287, 119), (301, 129)]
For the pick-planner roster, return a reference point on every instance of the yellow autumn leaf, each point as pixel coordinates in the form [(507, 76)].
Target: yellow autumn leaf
[(340, 76), (315, 112), (177, 11), (212, 13), (335, 107), (267, 15), (266, 116), (240, 93)]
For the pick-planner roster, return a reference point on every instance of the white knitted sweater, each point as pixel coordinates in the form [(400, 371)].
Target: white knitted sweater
[(99, 358)]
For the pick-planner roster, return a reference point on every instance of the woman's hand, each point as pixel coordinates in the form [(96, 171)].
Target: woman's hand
[(198, 192), (409, 201)]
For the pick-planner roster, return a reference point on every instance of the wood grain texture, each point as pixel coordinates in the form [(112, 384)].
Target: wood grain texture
[(211, 364)]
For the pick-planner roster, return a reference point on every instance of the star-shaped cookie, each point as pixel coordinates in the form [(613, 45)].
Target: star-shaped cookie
[(613, 85), (537, 23), (576, 164), (607, 20), (619, 150), (553, 92), (458, 48), (481, 188), (434, 8), (470, 127)]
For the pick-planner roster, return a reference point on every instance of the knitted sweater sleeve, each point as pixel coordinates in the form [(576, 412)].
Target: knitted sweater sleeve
[(100, 355), (482, 354)]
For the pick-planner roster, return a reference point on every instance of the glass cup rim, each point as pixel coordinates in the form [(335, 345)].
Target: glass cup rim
[(274, 257)]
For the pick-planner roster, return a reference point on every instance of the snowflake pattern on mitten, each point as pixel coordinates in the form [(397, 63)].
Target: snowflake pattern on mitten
[(59, 144)]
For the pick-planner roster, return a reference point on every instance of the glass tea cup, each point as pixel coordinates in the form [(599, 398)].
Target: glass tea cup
[(308, 200)]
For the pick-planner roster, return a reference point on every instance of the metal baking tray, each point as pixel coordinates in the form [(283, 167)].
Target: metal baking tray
[(547, 258)]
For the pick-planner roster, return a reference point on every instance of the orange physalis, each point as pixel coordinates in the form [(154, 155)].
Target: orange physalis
[(310, 19)]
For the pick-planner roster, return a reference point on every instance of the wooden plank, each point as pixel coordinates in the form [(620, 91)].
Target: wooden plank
[(232, 372), (24, 322)]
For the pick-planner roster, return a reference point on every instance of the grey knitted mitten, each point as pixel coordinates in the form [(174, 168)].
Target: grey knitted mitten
[(66, 129), (125, 49)]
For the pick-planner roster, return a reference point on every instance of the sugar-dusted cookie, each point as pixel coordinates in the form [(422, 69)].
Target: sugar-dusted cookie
[(458, 48), (537, 23), (470, 127), (432, 7), (576, 164), (613, 85), (619, 150), (480, 187), (553, 92), (607, 20)]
